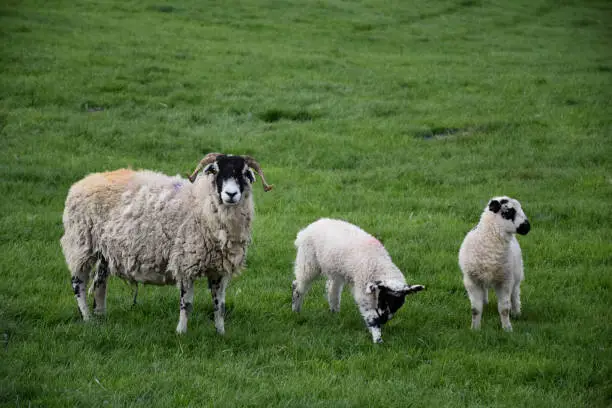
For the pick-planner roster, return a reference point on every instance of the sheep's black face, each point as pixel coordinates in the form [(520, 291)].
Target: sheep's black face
[(233, 178), (511, 215), (389, 302)]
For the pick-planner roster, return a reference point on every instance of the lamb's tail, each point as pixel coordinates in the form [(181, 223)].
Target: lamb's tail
[(299, 239)]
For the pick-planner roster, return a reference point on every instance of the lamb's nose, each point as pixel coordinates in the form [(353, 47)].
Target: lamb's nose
[(231, 195)]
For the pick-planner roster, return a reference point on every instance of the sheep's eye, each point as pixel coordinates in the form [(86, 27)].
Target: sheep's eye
[(509, 214)]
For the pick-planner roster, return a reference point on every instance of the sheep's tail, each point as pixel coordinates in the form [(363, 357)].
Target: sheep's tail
[(299, 239)]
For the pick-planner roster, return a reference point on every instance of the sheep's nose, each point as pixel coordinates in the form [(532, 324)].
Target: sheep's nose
[(230, 194), (524, 228)]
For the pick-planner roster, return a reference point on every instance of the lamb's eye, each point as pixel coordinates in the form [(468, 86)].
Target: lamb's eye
[(509, 214)]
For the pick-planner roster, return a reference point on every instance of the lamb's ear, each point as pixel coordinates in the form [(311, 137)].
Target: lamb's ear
[(250, 175), (372, 287), (494, 206), (412, 289), (212, 168)]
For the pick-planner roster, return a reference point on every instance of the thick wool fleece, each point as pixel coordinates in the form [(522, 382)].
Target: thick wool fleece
[(154, 229), (345, 253), (489, 255), (343, 250)]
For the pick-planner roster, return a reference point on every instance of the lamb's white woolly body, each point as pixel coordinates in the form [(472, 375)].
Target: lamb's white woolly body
[(490, 256), (151, 228), (345, 253)]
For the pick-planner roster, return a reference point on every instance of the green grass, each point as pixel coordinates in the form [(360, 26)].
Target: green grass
[(403, 117)]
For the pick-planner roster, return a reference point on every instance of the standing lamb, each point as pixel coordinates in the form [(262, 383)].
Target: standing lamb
[(345, 253), (149, 228), (490, 256)]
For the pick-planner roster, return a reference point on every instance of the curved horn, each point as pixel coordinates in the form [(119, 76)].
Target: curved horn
[(209, 158), (251, 162)]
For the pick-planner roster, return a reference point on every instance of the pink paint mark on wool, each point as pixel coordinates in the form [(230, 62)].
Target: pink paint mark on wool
[(374, 241)]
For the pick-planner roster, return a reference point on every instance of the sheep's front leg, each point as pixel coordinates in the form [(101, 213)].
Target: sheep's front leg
[(477, 295), (503, 306), (372, 322), (186, 287), (334, 293), (371, 318), (217, 287)]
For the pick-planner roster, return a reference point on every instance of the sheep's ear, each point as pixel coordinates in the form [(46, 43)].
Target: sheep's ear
[(412, 289), (250, 175), (494, 206), (372, 287), (212, 168)]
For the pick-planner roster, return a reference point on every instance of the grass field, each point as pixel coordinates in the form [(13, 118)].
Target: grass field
[(403, 117)]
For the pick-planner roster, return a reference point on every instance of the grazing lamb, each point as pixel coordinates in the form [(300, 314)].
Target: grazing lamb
[(491, 256), (149, 228), (345, 253)]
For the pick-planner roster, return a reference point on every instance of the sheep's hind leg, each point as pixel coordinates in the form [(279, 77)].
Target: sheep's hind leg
[(134, 286), (186, 287), (515, 299), (306, 270), (79, 279), (99, 287), (79, 283), (217, 290), (334, 292)]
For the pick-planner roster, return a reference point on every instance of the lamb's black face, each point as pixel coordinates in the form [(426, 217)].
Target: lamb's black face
[(232, 177), (389, 302)]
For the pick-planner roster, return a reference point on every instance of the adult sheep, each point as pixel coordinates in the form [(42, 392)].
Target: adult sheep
[(147, 227), (344, 253), (490, 256)]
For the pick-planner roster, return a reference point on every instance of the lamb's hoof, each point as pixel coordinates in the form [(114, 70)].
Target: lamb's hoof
[(508, 329), (180, 329)]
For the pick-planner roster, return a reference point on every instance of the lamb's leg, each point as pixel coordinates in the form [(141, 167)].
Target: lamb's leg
[(99, 287), (334, 292), (306, 270), (503, 305), (217, 290), (516, 299), (186, 287), (477, 295), (371, 319)]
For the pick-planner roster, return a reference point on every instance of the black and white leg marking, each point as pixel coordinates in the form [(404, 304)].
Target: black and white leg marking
[(99, 287), (217, 287), (186, 288), (372, 321), (78, 287)]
